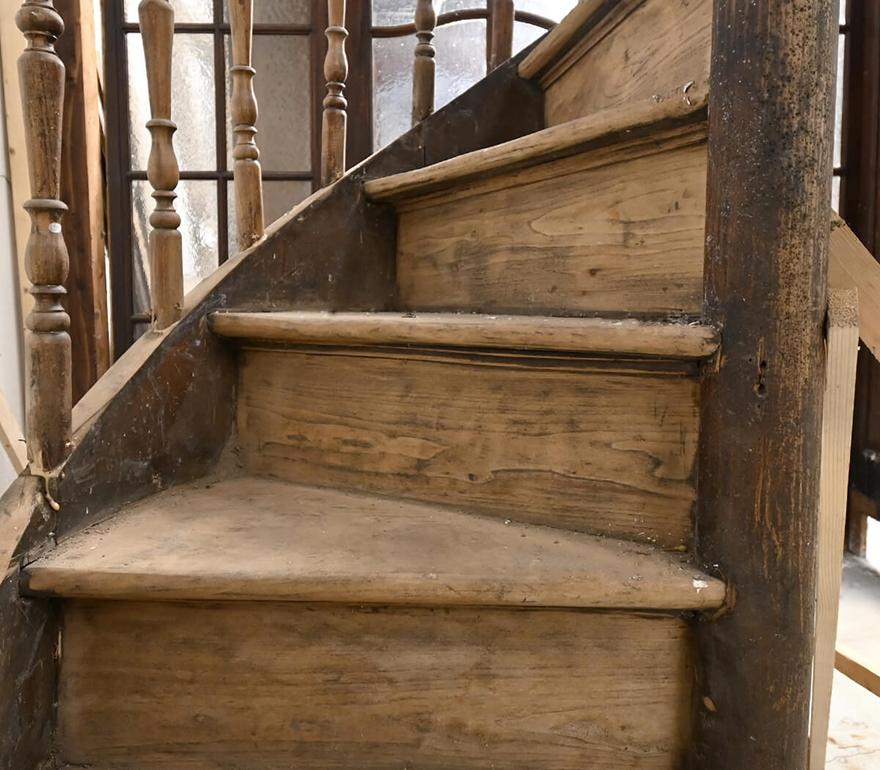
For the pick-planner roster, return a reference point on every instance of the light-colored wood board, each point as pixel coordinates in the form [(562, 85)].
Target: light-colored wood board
[(657, 50), (559, 39), (627, 237), (11, 436), (472, 330), (555, 443), (269, 687), (852, 266), (858, 626), (257, 538), (842, 350), (622, 122)]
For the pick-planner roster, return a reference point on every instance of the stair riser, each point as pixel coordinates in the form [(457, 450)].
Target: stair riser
[(617, 229), (550, 441), (639, 49), (271, 686)]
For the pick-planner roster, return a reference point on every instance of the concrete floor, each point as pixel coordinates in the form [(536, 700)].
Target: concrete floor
[(854, 735)]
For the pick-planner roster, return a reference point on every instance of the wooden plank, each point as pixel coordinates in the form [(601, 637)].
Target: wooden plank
[(770, 109), (661, 46), (577, 335), (162, 686), (837, 416), (858, 629), (547, 442), (561, 37), (576, 235), (852, 266), (322, 545), (622, 123), (846, 661), (11, 436)]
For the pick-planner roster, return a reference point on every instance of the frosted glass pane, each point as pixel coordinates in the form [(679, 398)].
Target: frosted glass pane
[(388, 13), (278, 11), (838, 102), (461, 58), (551, 9), (185, 11), (525, 34), (197, 205), (843, 5), (835, 193), (279, 197), (283, 96), (192, 102)]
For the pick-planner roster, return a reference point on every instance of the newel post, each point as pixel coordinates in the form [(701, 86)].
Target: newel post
[(424, 66), (48, 363), (334, 126), (769, 196), (243, 110), (166, 259)]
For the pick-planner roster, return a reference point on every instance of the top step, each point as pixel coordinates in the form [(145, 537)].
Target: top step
[(630, 122)]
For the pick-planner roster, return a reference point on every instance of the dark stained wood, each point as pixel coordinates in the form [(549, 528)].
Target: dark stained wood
[(48, 356), (424, 67), (82, 189), (499, 32), (770, 145), (335, 119)]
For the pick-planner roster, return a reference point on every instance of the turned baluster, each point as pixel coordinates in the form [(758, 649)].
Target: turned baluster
[(166, 259), (499, 43), (48, 362), (333, 133), (424, 67), (243, 109)]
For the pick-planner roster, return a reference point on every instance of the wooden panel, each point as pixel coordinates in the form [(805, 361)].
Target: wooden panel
[(548, 442), (262, 686), (852, 266), (563, 237), (657, 49)]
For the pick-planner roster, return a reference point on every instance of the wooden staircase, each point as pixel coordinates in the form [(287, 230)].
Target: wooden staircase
[(413, 483)]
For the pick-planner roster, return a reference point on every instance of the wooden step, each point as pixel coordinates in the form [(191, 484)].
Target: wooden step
[(256, 538), (594, 336)]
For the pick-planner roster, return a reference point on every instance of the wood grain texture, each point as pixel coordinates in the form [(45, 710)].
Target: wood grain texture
[(334, 117), (564, 237), (559, 39), (424, 66), (842, 348), (12, 436), (645, 119), (266, 686), (256, 538), (549, 442), (597, 336), (657, 49)]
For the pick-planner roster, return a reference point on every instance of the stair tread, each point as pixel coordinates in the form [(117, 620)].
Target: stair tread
[(626, 122), (674, 339), (262, 539)]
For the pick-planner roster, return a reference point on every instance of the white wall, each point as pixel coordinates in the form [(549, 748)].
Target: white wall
[(11, 378)]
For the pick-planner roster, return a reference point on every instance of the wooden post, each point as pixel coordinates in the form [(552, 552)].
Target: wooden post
[(837, 418), (48, 357), (769, 190), (333, 133), (166, 259), (499, 33), (424, 66), (243, 110)]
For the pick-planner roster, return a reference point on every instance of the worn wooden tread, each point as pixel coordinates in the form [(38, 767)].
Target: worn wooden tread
[(600, 336), (615, 124), (559, 39), (258, 538)]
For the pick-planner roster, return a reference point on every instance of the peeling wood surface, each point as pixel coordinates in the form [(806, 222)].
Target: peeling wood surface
[(270, 687)]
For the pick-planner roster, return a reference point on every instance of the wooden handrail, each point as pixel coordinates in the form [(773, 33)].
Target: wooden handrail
[(166, 255), (334, 125), (424, 73), (243, 110), (48, 356)]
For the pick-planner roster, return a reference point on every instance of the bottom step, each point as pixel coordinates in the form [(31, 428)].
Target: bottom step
[(272, 686)]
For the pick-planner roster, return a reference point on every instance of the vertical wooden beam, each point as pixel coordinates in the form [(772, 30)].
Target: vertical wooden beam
[(243, 110), (334, 125), (499, 33), (166, 258), (48, 357), (11, 436), (840, 381), (424, 68), (769, 189), (82, 189)]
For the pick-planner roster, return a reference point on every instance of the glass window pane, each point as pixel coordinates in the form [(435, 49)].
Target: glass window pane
[(843, 5), (838, 105), (197, 205), (387, 13), (185, 11), (282, 86), (279, 197), (461, 58), (551, 9), (835, 193), (192, 83), (278, 11), (392, 88)]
